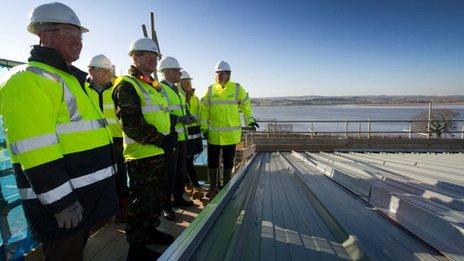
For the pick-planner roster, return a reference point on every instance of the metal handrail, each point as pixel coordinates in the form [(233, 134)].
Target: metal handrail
[(311, 132), (343, 121)]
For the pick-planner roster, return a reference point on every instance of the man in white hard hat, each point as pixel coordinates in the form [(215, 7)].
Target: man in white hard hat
[(177, 108), (99, 88), (220, 123), (194, 140), (58, 141), (147, 138)]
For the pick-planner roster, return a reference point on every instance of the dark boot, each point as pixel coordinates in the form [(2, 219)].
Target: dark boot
[(138, 252), (121, 217), (159, 238), (227, 175), (197, 193), (213, 182)]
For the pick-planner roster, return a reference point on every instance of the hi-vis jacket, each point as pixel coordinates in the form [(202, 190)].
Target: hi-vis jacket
[(194, 143), (156, 119), (59, 144), (105, 103), (176, 106), (220, 113)]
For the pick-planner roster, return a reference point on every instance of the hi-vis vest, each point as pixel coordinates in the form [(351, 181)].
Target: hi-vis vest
[(176, 106), (108, 108), (154, 107), (220, 113), (52, 128), (195, 143)]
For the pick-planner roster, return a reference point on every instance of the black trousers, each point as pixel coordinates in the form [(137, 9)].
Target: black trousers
[(123, 189), (228, 155), (176, 165), (191, 173), (69, 248)]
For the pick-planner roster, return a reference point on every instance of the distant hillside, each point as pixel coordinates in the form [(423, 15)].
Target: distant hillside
[(371, 99)]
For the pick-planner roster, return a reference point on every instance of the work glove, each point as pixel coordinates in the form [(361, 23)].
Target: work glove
[(174, 119), (170, 143), (70, 216), (253, 125), (187, 119), (205, 134)]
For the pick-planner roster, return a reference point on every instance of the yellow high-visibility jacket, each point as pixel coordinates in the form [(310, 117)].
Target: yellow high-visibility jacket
[(176, 106), (220, 113), (154, 110), (105, 103), (60, 146)]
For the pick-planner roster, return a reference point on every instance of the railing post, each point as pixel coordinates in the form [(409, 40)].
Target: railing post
[(311, 130), (462, 133), (429, 135), (346, 129), (369, 129), (410, 129), (359, 131)]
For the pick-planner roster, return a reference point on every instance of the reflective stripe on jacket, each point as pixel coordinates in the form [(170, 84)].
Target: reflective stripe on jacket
[(60, 146), (108, 108), (154, 110), (176, 106), (220, 112)]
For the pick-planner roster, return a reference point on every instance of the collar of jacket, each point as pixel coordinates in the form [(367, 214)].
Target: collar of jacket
[(168, 83), (91, 85), (134, 72), (52, 57)]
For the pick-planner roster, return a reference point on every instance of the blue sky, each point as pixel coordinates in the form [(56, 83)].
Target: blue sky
[(279, 48)]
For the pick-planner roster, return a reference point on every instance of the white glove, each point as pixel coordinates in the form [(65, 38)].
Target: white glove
[(70, 216)]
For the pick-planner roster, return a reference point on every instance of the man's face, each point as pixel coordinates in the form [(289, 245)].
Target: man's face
[(186, 85), (66, 39), (172, 75), (100, 76), (146, 61), (222, 77)]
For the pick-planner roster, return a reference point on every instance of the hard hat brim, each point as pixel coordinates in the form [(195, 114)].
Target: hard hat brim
[(159, 70), (31, 29)]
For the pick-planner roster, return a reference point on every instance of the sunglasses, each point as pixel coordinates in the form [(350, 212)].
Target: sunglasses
[(68, 34)]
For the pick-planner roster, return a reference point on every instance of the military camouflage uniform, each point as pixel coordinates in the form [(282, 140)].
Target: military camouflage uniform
[(147, 176)]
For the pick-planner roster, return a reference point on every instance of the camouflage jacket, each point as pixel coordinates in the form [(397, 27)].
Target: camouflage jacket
[(128, 109)]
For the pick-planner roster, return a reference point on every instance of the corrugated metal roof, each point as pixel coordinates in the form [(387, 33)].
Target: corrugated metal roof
[(303, 206)]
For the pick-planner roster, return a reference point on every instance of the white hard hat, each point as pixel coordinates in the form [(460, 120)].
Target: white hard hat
[(143, 44), (53, 13), (169, 62), (222, 66), (185, 76), (101, 61)]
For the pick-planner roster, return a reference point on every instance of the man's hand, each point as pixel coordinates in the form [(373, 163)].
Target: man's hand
[(187, 119), (169, 143), (253, 124), (205, 134), (70, 216)]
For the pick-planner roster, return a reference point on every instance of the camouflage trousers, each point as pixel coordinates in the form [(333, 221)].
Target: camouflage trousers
[(146, 196)]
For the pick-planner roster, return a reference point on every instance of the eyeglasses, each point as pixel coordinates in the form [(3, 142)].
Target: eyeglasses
[(68, 34)]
